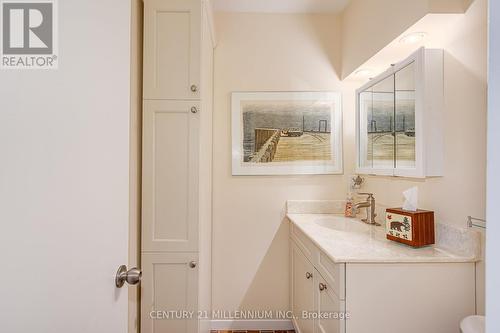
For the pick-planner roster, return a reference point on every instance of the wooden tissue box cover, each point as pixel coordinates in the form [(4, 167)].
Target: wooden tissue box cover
[(412, 228)]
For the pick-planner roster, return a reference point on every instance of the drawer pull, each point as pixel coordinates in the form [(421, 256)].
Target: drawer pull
[(322, 286), (308, 275)]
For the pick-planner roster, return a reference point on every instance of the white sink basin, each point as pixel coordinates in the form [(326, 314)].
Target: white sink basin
[(343, 224)]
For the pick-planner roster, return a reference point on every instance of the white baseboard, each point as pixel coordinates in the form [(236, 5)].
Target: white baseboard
[(244, 325)]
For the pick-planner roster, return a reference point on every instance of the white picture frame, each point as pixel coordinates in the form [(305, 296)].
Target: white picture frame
[(314, 147)]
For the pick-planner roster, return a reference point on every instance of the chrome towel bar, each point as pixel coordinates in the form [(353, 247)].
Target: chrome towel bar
[(476, 222)]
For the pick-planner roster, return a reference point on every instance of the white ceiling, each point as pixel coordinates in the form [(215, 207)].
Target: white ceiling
[(281, 6)]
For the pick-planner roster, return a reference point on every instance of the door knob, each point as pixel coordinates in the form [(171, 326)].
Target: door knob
[(192, 264), (308, 275), (194, 88), (322, 286), (132, 276)]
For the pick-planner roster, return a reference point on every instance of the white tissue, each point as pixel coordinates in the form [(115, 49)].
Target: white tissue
[(411, 199)]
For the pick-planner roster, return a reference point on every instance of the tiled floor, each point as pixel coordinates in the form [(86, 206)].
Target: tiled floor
[(253, 331)]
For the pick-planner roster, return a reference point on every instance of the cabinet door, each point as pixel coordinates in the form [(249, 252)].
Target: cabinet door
[(302, 289), (405, 125), (329, 308), (172, 37), (169, 286), (170, 176), (376, 127)]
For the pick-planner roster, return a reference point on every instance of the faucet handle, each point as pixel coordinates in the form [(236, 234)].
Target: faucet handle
[(370, 195)]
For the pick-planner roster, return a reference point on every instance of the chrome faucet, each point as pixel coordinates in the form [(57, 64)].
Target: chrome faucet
[(369, 204)]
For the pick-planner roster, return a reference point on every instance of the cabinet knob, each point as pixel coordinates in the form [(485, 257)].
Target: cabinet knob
[(194, 109), (322, 286), (308, 275), (194, 88), (192, 264)]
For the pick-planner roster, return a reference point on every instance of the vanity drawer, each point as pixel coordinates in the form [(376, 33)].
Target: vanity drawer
[(303, 242), (333, 273)]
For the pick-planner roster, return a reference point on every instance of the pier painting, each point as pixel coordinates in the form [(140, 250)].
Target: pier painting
[(389, 119), (287, 131)]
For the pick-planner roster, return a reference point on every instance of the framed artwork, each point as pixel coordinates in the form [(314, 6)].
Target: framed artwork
[(286, 133)]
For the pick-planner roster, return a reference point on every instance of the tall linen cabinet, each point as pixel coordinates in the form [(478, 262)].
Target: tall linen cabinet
[(177, 165)]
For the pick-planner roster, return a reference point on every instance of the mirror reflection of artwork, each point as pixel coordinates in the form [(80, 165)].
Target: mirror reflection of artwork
[(286, 133), (388, 114)]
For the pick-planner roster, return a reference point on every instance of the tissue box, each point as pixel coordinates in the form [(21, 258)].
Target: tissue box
[(412, 228)]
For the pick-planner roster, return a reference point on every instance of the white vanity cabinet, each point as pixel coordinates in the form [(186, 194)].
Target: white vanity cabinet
[(317, 287), (399, 119), (385, 297)]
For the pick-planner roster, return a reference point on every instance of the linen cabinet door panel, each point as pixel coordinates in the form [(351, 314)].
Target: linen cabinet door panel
[(329, 308), (170, 176), (169, 287), (302, 289), (172, 38)]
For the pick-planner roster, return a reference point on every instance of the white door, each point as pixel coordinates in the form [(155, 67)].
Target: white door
[(64, 147)]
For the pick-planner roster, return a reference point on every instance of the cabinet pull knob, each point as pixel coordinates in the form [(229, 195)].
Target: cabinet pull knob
[(194, 109), (194, 88), (322, 286), (308, 275), (192, 264)]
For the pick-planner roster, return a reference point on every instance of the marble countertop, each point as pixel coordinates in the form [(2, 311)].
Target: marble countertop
[(348, 240)]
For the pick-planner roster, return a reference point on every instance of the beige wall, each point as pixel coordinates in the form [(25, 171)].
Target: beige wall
[(272, 52), (264, 52)]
